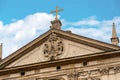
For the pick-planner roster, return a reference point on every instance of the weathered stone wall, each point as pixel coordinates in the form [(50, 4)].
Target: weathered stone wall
[(107, 69)]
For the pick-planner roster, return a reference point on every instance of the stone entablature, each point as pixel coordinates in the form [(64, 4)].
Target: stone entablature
[(76, 74)]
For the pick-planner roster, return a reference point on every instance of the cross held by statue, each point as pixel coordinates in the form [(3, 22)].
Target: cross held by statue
[(56, 11)]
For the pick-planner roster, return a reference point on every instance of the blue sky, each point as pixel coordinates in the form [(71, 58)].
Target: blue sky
[(91, 18), (73, 9)]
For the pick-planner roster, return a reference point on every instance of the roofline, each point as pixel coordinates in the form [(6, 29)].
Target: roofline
[(70, 36), (101, 43), (14, 54)]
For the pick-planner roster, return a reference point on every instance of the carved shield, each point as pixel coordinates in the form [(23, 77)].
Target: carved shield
[(53, 47)]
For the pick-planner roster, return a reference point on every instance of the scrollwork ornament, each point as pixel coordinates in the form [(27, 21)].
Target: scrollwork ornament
[(117, 69), (73, 76), (104, 71)]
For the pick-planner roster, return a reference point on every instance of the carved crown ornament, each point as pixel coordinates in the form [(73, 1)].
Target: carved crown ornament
[(53, 47)]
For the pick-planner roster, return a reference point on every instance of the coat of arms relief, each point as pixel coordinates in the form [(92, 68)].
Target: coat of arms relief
[(53, 47)]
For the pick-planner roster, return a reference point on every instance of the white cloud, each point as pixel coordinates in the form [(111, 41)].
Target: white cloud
[(91, 21), (93, 28), (20, 32)]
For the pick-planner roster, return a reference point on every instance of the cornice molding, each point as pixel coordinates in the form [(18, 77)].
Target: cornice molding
[(66, 61)]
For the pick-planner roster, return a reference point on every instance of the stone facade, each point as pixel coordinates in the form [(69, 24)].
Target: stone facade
[(59, 55), (110, 71)]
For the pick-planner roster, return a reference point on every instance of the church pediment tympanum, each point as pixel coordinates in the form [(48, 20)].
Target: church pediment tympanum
[(55, 44), (52, 49)]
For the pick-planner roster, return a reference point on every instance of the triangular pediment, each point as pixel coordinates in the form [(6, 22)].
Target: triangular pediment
[(72, 46)]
